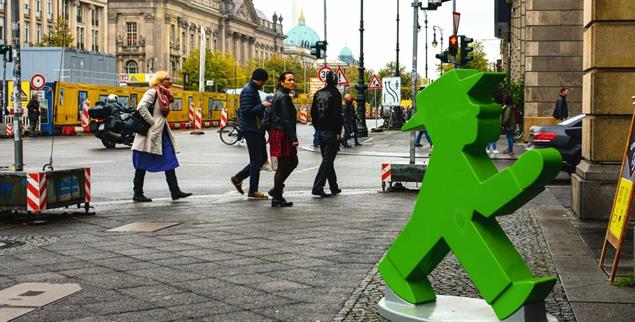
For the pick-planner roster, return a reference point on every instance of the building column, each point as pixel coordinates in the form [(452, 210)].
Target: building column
[(252, 48), (72, 19), (244, 41), (609, 84), (236, 46)]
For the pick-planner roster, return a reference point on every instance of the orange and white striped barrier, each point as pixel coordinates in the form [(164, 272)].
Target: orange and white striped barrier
[(87, 185), (223, 117), (191, 114), (36, 192), (386, 172), (303, 116), (85, 119), (198, 122), (9, 129)]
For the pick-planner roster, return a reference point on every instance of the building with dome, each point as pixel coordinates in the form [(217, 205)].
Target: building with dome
[(346, 55), (299, 41)]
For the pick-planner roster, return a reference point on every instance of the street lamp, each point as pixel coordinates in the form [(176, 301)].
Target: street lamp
[(434, 43), (362, 130)]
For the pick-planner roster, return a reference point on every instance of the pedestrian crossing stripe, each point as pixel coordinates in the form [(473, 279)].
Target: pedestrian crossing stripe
[(374, 83)]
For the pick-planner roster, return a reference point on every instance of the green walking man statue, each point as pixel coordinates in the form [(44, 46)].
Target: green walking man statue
[(461, 195)]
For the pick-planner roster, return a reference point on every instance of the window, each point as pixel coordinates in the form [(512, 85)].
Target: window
[(38, 33), (131, 37), (133, 100), (95, 17), (95, 40), (80, 15), (27, 33), (191, 44), (49, 10), (27, 9), (80, 38), (2, 29), (132, 67), (66, 10), (38, 8), (177, 105)]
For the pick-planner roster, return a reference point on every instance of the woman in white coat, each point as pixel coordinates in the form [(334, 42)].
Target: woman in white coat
[(156, 152)]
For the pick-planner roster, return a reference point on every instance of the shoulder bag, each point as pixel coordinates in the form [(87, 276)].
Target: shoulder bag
[(136, 123)]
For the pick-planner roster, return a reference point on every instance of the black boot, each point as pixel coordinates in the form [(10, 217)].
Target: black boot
[(280, 203), (170, 177), (138, 196)]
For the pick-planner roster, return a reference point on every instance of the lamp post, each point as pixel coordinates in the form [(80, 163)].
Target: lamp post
[(17, 89), (396, 116), (425, 22), (435, 44), (397, 73), (362, 130)]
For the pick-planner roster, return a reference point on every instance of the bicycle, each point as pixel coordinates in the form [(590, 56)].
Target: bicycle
[(229, 134)]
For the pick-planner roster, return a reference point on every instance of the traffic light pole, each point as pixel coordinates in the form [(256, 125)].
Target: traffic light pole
[(17, 88), (325, 42), (415, 31)]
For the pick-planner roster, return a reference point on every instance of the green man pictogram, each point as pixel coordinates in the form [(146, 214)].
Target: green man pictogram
[(462, 193)]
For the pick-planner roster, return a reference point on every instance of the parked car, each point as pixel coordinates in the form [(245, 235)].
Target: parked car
[(565, 137)]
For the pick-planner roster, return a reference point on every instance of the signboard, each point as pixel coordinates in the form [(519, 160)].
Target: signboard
[(38, 82), (457, 20), (26, 90), (391, 93), (374, 83), (342, 80), (621, 212), (315, 85), (209, 83), (321, 74)]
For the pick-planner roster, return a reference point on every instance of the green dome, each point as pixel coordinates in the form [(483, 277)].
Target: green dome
[(346, 52), (301, 36)]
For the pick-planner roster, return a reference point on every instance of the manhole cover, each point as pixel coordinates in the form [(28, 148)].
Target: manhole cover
[(10, 244)]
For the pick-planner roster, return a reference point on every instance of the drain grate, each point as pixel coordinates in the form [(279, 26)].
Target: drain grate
[(31, 293)]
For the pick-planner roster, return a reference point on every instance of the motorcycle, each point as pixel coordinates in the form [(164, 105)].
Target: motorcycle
[(108, 124)]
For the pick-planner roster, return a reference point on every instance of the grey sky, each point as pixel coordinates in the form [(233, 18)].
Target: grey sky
[(477, 21)]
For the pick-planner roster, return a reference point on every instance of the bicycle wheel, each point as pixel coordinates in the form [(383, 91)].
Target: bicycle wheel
[(229, 134)]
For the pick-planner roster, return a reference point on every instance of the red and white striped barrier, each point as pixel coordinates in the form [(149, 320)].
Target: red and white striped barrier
[(36, 192), (87, 185), (386, 172), (303, 116), (85, 119), (223, 117), (198, 122), (191, 113), (9, 129)]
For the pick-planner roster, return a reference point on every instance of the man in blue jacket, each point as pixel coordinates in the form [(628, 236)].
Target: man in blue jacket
[(250, 116)]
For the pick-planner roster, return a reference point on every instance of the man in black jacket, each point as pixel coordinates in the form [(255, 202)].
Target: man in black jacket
[(250, 114), (33, 112), (561, 112), (326, 113)]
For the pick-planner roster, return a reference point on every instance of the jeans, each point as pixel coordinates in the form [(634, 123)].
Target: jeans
[(421, 134), (257, 147), (316, 141), (328, 147), (510, 139), (286, 165), (491, 145)]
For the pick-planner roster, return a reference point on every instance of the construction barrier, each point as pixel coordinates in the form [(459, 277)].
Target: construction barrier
[(190, 114), (223, 117), (198, 122), (303, 116), (85, 119), (36, 192), (386, 173)]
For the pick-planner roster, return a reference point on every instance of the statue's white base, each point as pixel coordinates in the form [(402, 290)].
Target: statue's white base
[(452, 308)]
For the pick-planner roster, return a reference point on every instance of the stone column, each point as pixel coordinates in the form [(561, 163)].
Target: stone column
[(244, 41), (609, 84), (252, 48), (552, 58), (72, 19)]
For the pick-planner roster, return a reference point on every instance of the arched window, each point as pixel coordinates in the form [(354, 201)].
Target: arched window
[(132, 67)]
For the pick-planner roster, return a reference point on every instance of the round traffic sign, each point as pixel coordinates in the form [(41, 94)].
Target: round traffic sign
[(38, 82), (322, 72)]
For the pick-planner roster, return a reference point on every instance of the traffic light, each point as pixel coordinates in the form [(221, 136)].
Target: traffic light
[(466, 50), (7, 52), (319, 49), (454, 45), (444, 57)]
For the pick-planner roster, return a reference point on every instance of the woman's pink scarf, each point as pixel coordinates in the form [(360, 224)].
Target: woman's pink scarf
[(165, 98)]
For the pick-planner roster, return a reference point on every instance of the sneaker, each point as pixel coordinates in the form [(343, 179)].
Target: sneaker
[(237, 184), (257, 196), (508, 151), (495, 152), (419, 145)]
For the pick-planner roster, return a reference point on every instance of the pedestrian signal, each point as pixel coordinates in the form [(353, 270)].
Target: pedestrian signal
[(454, 45)]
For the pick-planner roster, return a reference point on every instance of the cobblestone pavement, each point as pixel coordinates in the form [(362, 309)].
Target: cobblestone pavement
[(449, 278)]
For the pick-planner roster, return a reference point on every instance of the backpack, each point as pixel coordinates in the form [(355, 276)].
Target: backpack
[(266, 120)]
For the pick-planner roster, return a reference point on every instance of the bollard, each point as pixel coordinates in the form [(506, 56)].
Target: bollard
[(198, 122), (303, 116), (191, 113), (223, 118)]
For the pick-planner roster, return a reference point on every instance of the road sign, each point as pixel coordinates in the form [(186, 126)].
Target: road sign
[(342, 80), (209, 83), (322, 73), (457, 21), (374, 83), (38, 82), (391, 94)]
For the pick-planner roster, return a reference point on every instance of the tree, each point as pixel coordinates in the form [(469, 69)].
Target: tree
[(60, 36), (223, 69), (406, 81), (478, 62), (277, 64)]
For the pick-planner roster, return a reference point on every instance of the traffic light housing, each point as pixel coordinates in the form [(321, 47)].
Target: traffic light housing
[(444, 57), (453, 50), (7, 52), (319, 49), (466, 50)]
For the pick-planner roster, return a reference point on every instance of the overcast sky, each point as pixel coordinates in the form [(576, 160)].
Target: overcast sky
[(477, 21)]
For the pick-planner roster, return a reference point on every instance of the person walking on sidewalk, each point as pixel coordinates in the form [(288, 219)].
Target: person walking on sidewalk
[(283, 139), (326, 112), (508, 123), (350, 121), (156, 151), (561, 111), (251, 113), (33, 113)]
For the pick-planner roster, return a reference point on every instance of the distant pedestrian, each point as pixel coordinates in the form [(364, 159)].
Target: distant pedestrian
[(326, 112), (33, 113), (350, 121), (561, 111), (156, 151), (251, 113), (491, 148), (283, 139), (508, 123)]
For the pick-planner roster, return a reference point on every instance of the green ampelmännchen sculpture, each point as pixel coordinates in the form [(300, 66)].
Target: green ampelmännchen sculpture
[(462, 193)]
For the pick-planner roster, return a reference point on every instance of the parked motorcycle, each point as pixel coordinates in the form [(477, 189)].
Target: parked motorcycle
[(108, 125)]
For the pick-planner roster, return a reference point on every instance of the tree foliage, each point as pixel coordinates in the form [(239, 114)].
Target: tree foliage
[(479, 62), (60, 36), (221, 68), (406, 81)]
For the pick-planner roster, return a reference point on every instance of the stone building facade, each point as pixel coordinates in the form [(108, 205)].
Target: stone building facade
[(159, 35), (86, 19), (545, 54)]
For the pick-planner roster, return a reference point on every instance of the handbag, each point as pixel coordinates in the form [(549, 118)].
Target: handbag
[(136, 123)]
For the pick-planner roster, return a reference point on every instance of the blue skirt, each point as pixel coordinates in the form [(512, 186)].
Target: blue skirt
[(157, 163)]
